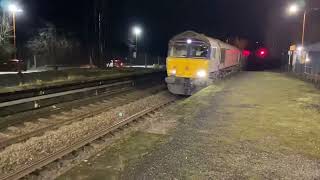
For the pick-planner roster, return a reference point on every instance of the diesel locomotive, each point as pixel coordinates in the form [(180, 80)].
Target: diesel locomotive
[(195, 60)]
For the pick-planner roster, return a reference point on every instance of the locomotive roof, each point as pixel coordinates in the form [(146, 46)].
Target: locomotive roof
[(202, 37)]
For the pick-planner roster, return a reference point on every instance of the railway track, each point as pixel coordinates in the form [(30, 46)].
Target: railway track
[(100, 133), (36, 128), (46, 112), (34, 99)]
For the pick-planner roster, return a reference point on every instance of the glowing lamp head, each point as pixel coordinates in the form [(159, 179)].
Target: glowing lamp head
[(202, 74), (137, 31), (293, 9), (308, 59), (14, 8), (189, 41), (300, 48)]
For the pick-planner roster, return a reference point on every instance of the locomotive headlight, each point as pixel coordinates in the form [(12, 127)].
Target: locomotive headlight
[(173, 72), (202, 74)]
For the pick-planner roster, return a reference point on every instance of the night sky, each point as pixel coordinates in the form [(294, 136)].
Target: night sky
[(256, 20)]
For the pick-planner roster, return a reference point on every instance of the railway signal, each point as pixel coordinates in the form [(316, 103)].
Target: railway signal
[(262, 53)]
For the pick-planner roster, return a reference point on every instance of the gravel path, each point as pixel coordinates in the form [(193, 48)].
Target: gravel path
[(258, 125)]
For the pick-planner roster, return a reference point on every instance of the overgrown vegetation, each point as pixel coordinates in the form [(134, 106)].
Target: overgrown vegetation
[(6, 48), (11, 82), (50, 45)]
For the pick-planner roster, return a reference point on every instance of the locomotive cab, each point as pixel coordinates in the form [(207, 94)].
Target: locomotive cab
[(188, 65)]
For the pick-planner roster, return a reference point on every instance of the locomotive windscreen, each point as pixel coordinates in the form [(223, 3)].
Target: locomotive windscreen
[(190, 49), (179, 50)]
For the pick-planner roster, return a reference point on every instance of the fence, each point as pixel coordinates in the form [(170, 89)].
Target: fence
[(305, 72), (76, 61), (301, 69), (146, 60)]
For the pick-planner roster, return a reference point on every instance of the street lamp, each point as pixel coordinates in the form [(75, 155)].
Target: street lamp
[(294, 9), (308, 59), (137, 32), (14, 9), (300, 48)]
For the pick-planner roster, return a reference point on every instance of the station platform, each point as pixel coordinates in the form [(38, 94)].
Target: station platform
[(257, 125)]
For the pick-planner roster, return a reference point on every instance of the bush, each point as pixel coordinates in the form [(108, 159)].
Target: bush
[(6, 52)]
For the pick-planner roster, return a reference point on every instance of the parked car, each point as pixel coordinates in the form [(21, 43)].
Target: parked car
[(13, 65), (115, 63)]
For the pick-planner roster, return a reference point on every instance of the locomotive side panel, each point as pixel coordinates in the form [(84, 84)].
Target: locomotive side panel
[(230, 56)]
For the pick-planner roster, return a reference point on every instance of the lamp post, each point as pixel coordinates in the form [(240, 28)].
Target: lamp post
[(137, 32), (304, 27), (14, 9), (294, 9)]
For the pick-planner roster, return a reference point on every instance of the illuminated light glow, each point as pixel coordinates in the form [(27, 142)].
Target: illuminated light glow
[(308, 60), (300, 48), (14, 8), (202, 74), (246, 53), (262, 53), (293, 9), (189, 41), (173, 72), (137, 31)]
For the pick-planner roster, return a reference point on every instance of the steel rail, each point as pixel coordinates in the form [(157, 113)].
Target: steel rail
[(28, 169), (37, 132)]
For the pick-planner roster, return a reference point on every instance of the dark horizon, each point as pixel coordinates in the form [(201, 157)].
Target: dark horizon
[(260, 21)]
